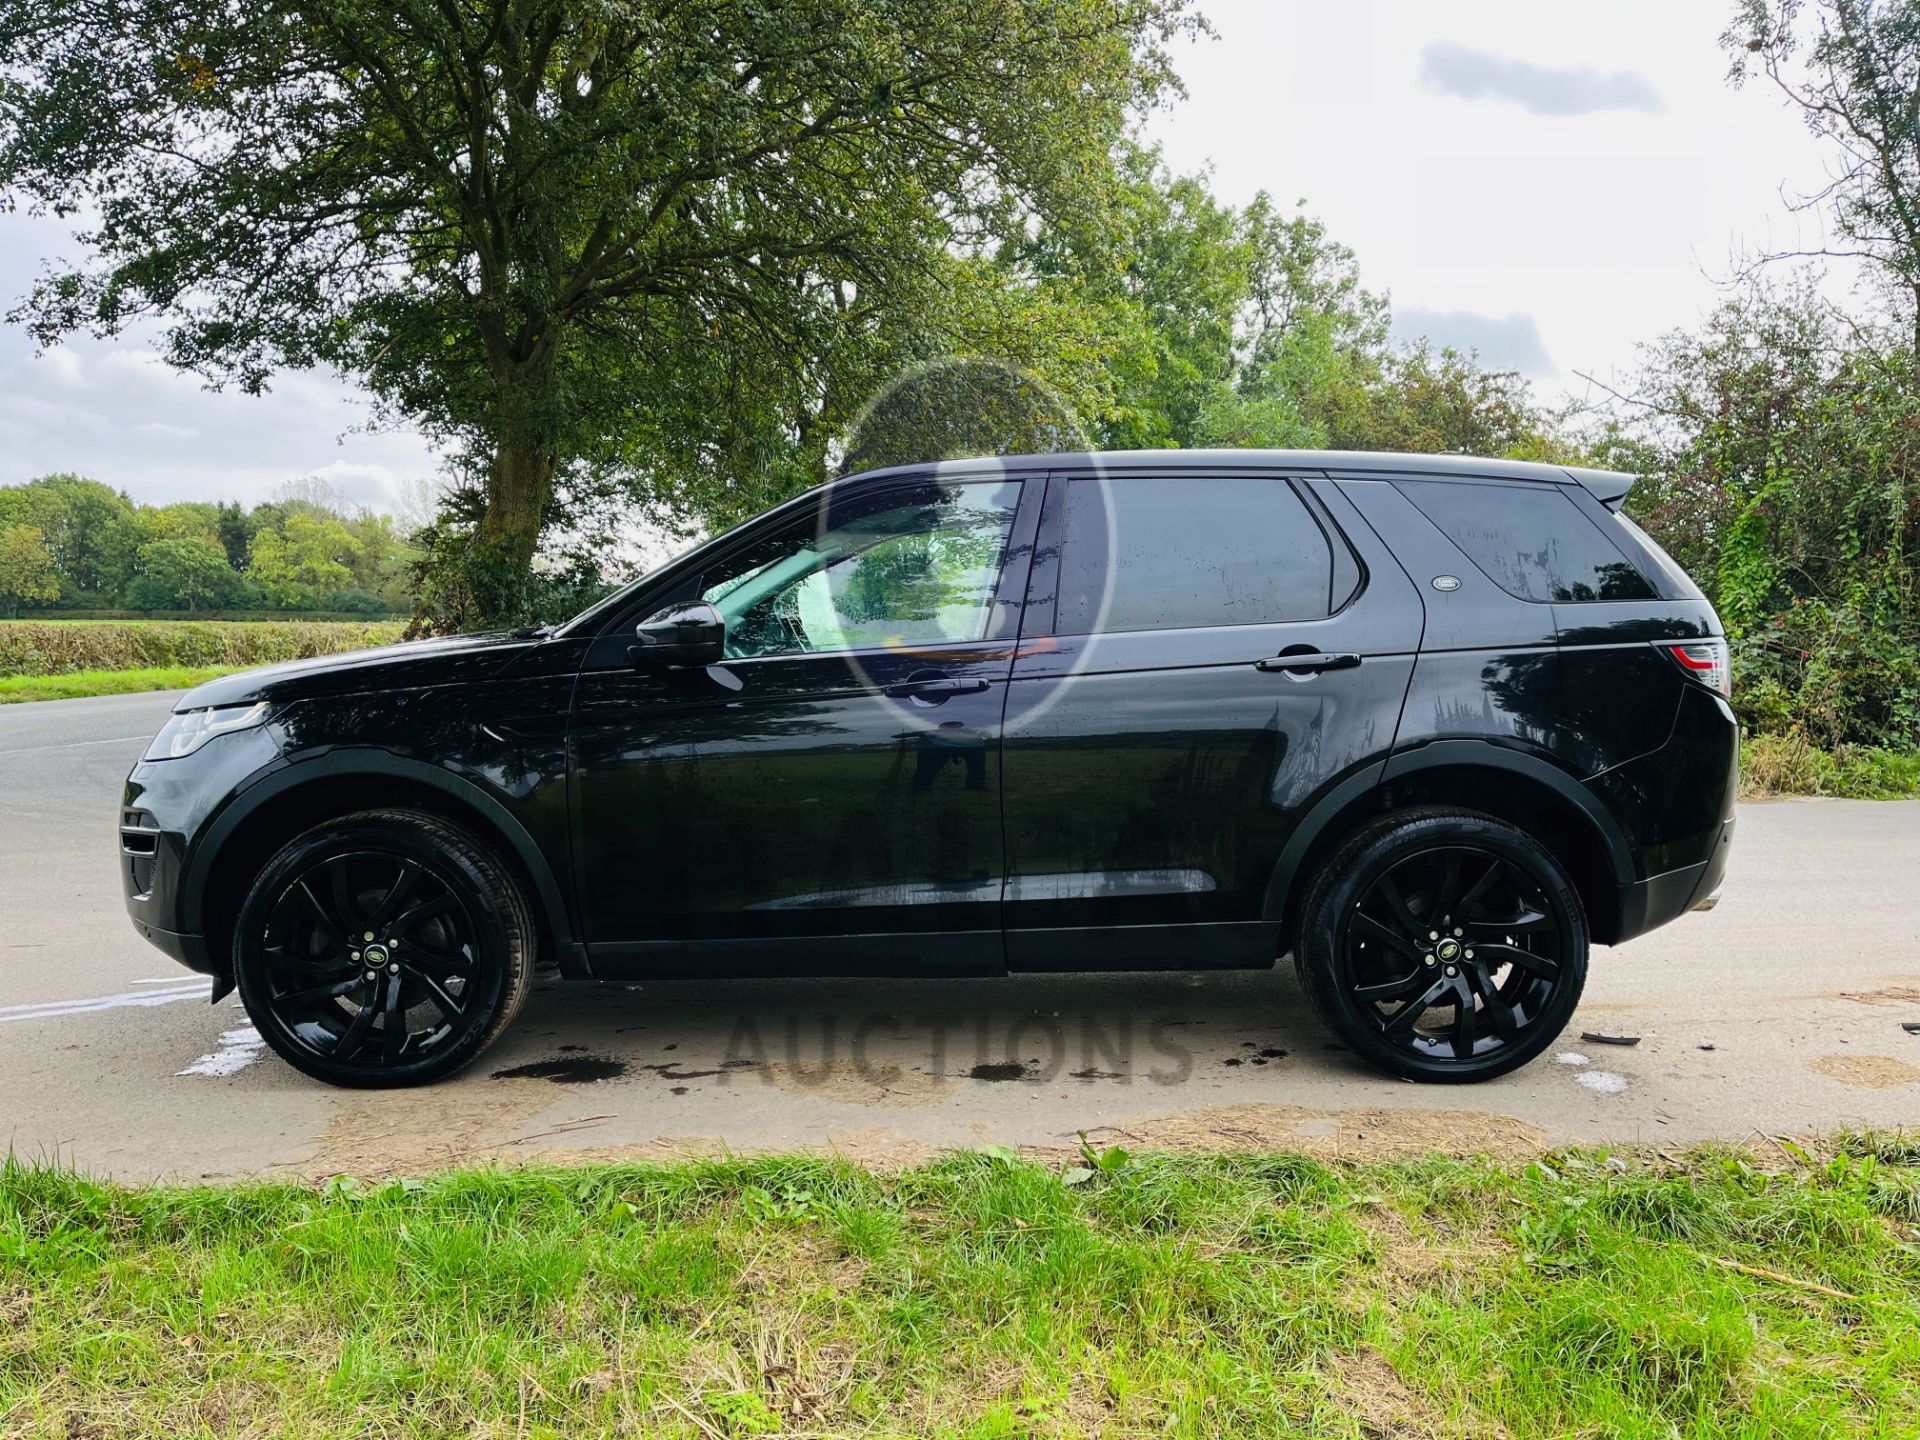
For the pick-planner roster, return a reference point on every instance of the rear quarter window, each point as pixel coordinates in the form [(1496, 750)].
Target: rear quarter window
[(1529, 539)]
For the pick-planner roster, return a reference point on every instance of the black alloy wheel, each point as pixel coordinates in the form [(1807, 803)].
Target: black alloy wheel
[(386, 948), (1444, 945)]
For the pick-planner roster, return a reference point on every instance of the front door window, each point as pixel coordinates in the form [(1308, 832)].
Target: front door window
[(896, 570)]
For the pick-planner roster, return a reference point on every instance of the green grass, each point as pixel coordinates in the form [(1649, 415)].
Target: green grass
[(79, 683), (1788, 765), (979, 1296)]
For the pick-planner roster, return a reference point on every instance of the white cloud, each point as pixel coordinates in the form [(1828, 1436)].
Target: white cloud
[(1607, 229), (116, 411), (1470, 74), (1503, 342)]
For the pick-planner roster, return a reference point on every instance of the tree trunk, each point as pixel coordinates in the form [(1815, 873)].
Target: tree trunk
[(519, 486)]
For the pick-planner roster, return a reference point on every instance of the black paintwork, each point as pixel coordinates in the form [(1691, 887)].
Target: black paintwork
[(1029, 800)]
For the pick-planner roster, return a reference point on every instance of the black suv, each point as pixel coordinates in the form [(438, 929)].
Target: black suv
[(1432, 724)]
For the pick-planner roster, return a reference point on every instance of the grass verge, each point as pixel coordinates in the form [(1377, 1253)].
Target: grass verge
[(1788, 765), (983, 1295), (81, 683)]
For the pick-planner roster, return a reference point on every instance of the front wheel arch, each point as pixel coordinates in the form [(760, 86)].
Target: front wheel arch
[(295, 798)]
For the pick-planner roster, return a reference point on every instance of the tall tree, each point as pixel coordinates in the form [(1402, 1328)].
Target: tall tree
[(182, 573), (1852, 68), (27, 571), (304, 561), (91, 529), (572, 238)]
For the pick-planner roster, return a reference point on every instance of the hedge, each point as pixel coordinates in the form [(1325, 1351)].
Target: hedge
[(35, 647), (284, 617)]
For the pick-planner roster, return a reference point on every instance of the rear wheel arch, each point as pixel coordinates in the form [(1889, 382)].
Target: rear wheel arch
[(1523, 791), (266, 816)]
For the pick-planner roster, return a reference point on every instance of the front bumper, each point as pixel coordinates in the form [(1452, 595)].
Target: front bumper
[(190, 950), (164, 811)]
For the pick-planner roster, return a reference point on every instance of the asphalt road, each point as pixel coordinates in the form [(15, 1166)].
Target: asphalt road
[(112, 1060)]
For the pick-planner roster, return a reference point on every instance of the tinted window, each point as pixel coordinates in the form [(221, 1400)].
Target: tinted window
[(1531, 540), (892, 569), (1162, 554)]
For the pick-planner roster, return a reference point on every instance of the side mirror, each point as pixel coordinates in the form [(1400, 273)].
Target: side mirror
[(681, 635)]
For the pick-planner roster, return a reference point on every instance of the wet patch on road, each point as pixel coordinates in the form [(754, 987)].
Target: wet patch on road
[(998, 1071), (671, 1069), (570, 1070), (1262, 1054)]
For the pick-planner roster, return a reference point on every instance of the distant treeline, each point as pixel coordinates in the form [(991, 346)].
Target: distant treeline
[(70, 545)]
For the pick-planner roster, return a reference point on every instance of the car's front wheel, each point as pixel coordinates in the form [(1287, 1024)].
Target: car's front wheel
[(1443, 945), (385, 948)]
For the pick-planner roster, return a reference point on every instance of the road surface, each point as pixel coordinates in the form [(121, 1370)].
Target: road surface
[(1780, 1012)]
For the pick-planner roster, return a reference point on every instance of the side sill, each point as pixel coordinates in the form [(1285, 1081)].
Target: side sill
[(1236, 945), (951, 955)]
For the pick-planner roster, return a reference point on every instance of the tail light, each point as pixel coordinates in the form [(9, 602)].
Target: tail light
[(1707, 661)]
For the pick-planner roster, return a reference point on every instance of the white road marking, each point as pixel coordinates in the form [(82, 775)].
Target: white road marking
[(75, 744), (54, 1009), (238, 1049)]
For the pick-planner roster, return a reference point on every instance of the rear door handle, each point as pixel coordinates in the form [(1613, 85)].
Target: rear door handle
[(1308, 664)]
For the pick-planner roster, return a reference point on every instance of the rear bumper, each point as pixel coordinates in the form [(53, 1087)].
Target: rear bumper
[(1648, 904)]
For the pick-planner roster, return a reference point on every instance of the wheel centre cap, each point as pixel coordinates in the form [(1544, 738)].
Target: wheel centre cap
[(1448, 950), (376, 955)]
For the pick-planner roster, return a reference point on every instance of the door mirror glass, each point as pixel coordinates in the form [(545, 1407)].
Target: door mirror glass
[(687, 634)]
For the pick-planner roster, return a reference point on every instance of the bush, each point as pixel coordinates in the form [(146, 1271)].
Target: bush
[(1789, 765), (31, 647)]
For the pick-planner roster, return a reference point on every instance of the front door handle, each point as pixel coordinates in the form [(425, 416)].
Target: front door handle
[(1308, 663), (932, 689)]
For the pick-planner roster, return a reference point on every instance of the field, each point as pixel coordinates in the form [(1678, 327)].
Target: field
[(1715, 1293)]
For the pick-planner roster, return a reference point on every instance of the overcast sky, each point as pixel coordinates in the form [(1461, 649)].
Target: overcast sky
[(1549, 184)]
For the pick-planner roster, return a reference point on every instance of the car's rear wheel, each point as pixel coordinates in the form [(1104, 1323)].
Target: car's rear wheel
[(385, 948), (1443, 945)]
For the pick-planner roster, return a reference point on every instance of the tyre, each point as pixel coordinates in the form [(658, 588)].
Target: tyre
[(1443, 945), (386, 948)]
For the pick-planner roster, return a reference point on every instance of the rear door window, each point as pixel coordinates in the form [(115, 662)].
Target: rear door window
[(1529, 539), (1180, 552)]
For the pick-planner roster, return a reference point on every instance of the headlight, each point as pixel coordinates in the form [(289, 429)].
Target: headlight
[(190, 729)]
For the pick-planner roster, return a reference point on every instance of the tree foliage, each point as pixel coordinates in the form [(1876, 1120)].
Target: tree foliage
[(583, 242), (27, 570), (1852, 69), (306, 558), (1782, 452), (109, 553), (183, 574)]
